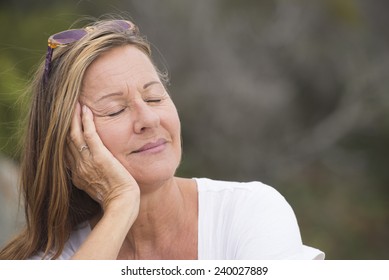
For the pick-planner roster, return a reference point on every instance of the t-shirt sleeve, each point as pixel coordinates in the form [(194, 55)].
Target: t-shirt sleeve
[(266, 228), (77, 237)]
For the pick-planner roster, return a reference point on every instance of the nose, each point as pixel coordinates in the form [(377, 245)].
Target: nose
[(145, 117)]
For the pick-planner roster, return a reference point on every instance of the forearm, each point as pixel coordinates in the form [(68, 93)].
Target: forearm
[(106, 238)]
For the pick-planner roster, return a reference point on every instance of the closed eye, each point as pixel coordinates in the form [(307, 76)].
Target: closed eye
[(116, 113), (153, 100)]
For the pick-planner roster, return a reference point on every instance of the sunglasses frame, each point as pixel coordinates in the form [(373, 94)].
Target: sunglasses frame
[(64, 38)]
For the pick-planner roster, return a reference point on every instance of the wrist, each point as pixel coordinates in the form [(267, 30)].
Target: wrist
[(125, 205)]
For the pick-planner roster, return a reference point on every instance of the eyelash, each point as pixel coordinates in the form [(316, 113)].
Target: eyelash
[(116, 113), (153, 100), (122, 110)]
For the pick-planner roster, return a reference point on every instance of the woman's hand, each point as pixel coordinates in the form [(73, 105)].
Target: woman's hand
[(94, 169), (97, 172)]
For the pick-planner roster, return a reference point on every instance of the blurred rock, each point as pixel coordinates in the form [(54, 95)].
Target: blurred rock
[(11, 215)]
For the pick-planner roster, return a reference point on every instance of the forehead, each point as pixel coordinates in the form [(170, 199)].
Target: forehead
[(124, 65)]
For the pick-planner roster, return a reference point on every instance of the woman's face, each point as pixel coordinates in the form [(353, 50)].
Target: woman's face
[(134, 115)]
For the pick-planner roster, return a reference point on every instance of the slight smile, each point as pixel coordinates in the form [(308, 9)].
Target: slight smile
[(152, 147)]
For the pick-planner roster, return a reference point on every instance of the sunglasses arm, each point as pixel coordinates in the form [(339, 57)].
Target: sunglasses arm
[(49, 55)]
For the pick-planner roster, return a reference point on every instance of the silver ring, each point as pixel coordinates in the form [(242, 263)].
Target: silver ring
[(83, 147)]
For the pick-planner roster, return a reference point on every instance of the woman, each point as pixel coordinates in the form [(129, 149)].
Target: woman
[(98, 172)]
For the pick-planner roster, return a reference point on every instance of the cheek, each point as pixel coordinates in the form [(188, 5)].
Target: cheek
[(172, 122), (175, 129), (112, 134)]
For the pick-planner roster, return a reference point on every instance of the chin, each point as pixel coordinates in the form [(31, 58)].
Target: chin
[(155, 170), (155, 175)]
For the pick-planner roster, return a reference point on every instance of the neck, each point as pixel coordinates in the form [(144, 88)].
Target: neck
[(165, 217)]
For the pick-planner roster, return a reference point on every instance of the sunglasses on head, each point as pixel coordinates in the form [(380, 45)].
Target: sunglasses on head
[(70, 36)]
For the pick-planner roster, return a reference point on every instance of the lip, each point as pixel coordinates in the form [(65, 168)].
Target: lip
[(152, 146)]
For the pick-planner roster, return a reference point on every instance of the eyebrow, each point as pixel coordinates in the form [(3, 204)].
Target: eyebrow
[(146, 85), (109, 95)]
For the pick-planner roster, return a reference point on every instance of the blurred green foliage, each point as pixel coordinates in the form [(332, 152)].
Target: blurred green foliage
[(23, 43), (11, 84)]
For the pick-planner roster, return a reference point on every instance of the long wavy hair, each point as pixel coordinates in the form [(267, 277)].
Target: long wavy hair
[(53, 205)]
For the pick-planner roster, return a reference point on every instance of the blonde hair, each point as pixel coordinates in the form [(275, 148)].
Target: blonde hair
[(53, 205)]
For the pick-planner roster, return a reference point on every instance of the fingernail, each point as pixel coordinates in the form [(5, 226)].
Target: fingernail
[(84, 108)]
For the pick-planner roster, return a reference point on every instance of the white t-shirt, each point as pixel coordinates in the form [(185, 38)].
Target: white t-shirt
[(248, 221), (236, 221)]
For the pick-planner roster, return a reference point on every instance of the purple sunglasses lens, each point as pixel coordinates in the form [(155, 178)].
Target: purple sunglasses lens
[(119, 25), (69, 36), (122, 23)]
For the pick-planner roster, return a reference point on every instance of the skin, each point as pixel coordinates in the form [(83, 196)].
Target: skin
[(132, 130)]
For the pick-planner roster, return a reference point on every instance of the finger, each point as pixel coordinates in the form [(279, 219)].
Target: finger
[(75, 132), (76, 177), (77, 145), (71, 149), (69, 158), (92, 139), (71, 164)]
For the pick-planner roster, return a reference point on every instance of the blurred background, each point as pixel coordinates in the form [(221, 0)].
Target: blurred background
[(293, 93)]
